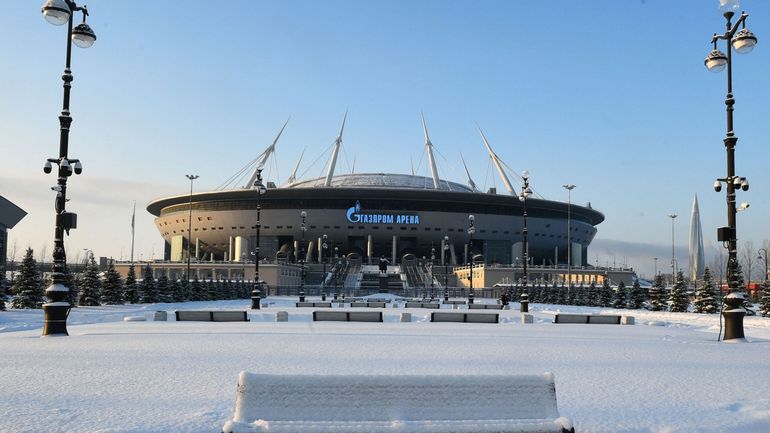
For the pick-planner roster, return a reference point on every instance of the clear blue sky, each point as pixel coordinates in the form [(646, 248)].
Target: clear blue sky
[(609, 95)]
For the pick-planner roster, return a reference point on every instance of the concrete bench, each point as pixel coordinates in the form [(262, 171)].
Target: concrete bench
[(454, 302), (211, 316), (368, 304), (465, 317), (422, 305), (593, 319), (347, 316), (396, 404), (314, 304), (485, 306)]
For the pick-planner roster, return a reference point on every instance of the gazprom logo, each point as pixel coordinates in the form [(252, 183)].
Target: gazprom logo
[(355, 215)]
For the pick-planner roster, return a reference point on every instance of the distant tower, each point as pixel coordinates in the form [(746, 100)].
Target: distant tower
[(696, 243)]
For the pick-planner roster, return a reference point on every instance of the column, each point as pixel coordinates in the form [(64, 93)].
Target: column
[(197, 248), (296, 251), (230, 250), (320, 249), (393, 251), (465, 254), (241, 249), (443, 251), (369, 249)]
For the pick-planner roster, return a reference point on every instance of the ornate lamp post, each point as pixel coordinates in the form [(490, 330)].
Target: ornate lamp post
[(446, 268), (302, 228), (673, 256), (526, 191), (432, 261), (256, 293), (471, 231), (324, 246), (569, 188), (191, 177), (56, 310), (743, 41)]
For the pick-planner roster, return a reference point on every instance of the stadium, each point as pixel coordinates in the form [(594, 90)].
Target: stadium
[(370, 216)]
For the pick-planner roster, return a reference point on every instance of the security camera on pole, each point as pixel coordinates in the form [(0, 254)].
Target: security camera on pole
[(525, 193)]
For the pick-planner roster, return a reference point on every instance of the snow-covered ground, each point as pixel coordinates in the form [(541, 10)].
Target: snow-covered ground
[(666, 374)]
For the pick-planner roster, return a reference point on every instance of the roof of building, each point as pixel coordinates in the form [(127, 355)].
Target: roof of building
[(380, 180)]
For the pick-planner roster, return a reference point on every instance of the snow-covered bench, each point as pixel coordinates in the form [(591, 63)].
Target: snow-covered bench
[(595, 319), (369, 304), (313, 304), (396, 404), (485, 306), (211, 316), (422, 305), (347, 316), (465, 317)]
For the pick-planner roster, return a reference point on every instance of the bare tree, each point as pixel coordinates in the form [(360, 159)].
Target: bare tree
[(718, 266), (747, 256), (12, 253)]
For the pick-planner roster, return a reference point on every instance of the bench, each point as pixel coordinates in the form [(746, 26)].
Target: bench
[(211, 316), (422, 305), (485, 306), (368, 304), (396, 404), (465, 317), (454, 302), (314, 304), (594, 319), (347, 316)]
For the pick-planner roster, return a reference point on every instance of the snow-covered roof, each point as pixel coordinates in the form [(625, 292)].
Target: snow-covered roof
[(380, 180)]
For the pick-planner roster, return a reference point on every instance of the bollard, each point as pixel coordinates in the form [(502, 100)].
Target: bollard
[(256, 298), (470, 297), (323, 296)]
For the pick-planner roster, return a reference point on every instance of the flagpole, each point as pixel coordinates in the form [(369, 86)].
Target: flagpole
[(133, 220)]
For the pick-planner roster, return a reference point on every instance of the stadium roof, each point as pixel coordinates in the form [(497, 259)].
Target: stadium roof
[(380, 180)]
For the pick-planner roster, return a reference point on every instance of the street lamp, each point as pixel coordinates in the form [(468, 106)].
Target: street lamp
[(256, 293), (192, 177), (763, 255), (432, 261), (471, 231), (743, 41), (302, 228), (569, 188), (324, 246), (446, 268), (57, 309), (525, 193), (673, 257)]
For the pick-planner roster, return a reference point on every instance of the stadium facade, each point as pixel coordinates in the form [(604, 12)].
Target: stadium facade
[(373, 215)]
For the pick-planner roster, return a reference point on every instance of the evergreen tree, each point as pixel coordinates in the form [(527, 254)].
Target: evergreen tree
[(561, 295), (131, 292), (28, 289), (620, 296), (592, 295), (177, 290), (112, 287), (73, 284), (740, 284), (678, 298), (91, 286), (197, 292), (148, 290), (637, 297), (657, 295), (3, 289), (606, 294), (764, 300), (163, 287), (705, 295)]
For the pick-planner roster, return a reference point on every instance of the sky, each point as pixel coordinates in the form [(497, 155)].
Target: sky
[(611, 96)]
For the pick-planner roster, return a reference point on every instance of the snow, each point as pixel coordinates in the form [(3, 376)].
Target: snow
[(666, 374)]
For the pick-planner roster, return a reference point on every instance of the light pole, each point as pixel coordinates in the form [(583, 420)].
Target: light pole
[(743, 41), (673, 256), (446, 268), (324, 246), (302, 228), (192, 177), (763, 255), (432, 261), (471, 231), (569, 188), (525, 193), (57, 308), (655, 259), (256, 293)]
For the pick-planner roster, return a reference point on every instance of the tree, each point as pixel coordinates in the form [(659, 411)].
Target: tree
[(148, 289), (705, 295), (91, 286), (592, 295), (112, 289), (764, 300), (747, 257), (678, 298), (28, 289), (620, 296), (197, 293), (177, 290), (3, 289), (637, 296), (73, 284), (131, 293), (164, 288), (605, 294), (657, 294)]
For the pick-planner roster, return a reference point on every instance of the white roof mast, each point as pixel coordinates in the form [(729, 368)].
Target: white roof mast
[(262, 158), (335, 152), (499, 166), (471, 183), (429, 149), (293, 177)]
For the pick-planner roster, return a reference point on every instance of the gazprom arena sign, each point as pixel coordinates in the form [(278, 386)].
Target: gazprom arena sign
[(356, 215)]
